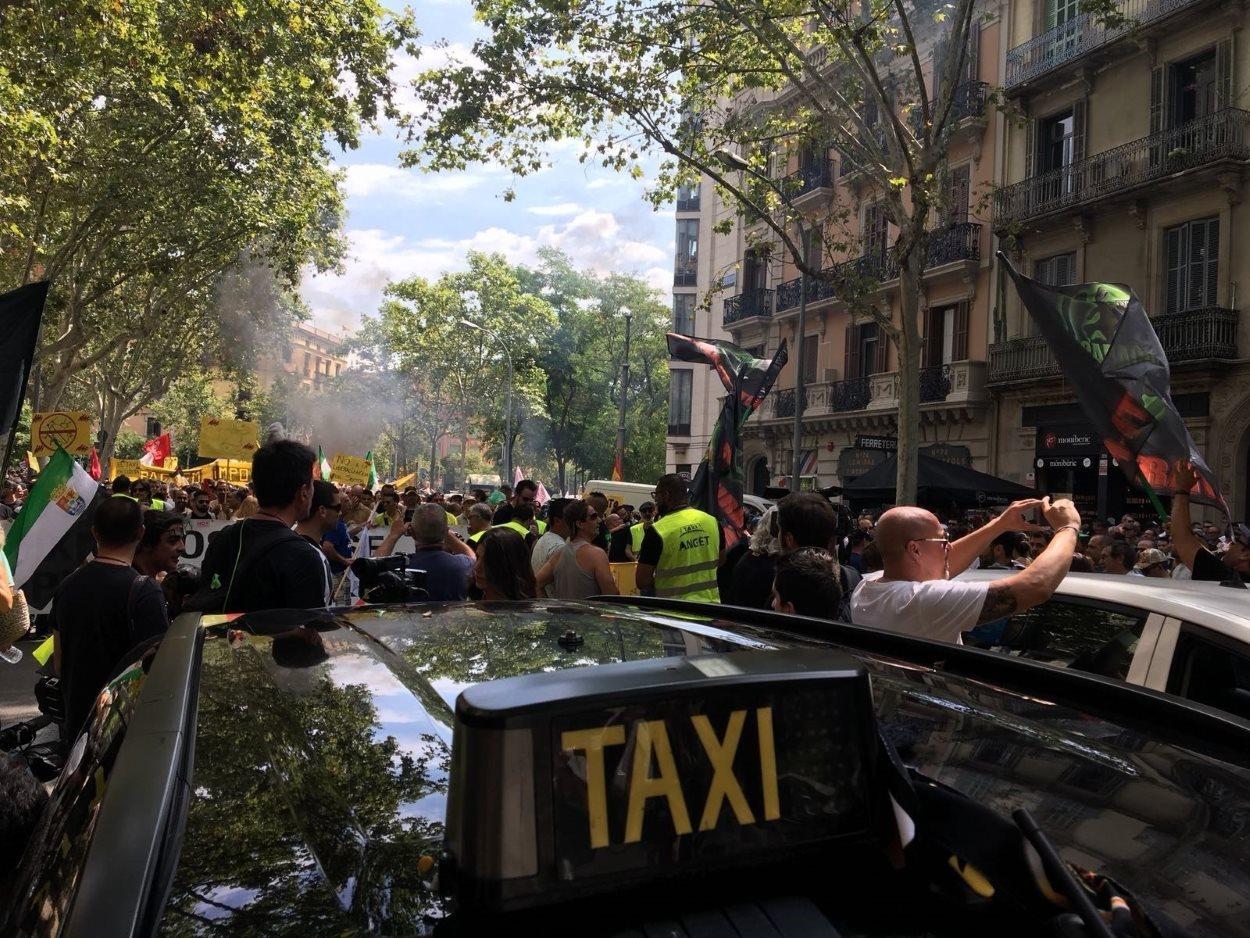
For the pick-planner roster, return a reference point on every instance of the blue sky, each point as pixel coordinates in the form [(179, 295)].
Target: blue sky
[(402, 222)]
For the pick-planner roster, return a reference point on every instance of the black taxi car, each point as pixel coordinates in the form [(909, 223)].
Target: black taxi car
[(629, 768)]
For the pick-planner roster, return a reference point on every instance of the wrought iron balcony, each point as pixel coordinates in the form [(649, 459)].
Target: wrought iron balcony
[(817, 174), (968, 101), (748, 304), (851, 394), (783, 402), (1081, 35), (935, 383), (1221, 135), (685, 273), (1205, 334), (690, 204), (958, 242), (827, 397)]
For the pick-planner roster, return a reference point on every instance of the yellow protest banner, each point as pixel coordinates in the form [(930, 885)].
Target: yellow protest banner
[(123, 467), (229, 439), (69, 428), (349, 470)]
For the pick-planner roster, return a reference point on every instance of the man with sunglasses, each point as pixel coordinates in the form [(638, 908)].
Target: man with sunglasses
[(916, 595)]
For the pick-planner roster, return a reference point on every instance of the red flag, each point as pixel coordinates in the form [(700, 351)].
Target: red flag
[(93, 465), (156, 450), (618, 472)]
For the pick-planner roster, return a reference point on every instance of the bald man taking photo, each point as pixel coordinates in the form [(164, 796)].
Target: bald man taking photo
[(916, 595)]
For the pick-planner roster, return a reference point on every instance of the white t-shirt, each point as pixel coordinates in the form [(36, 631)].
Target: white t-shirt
[(544, 547), (935, 609)]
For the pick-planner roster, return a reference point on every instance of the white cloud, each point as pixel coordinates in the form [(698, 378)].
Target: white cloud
[(560, 208), (367, 179), (593, 239)]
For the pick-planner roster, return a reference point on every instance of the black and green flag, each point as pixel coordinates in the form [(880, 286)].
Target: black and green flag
[(717, 485), (1108, 351)]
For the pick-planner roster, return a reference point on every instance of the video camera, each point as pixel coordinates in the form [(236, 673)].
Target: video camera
[(390, 579)]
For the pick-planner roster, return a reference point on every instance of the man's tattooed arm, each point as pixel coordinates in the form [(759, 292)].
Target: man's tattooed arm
[(1000, 603)]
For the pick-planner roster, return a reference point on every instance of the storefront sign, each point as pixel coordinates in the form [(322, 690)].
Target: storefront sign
[(1064, 462), (1066, 441), (949, 452), (854, 461), (886, 443)]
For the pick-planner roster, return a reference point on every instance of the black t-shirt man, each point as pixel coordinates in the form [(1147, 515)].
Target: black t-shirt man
[(1209, 567), (101, 611), (274, 569)]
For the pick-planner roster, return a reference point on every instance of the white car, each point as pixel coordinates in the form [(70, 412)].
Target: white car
[(1177, 636)]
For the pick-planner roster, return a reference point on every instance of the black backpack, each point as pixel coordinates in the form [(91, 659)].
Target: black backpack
[(246, 551)]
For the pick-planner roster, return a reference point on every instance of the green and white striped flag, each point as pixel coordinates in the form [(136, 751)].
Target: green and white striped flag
[(323, 464), (51, 535), (373, 472)]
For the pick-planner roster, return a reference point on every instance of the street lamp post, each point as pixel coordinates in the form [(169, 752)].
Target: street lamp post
[(620, 424), (507, 438)]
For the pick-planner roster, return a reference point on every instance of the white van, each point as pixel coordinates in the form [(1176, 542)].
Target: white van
[(635, 493)]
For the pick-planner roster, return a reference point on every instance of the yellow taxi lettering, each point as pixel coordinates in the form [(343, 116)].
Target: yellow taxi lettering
[(594, 741), (724, 783), (652, 737), (768, 763)]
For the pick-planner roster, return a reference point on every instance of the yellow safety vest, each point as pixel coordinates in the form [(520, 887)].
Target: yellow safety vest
[(516, 526), (687, 567), (542, 526), (474, 538), (636, 533)]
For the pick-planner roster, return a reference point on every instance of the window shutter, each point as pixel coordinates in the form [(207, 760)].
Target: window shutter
[(882, 351), (959, 336), (1224, 73), (927, 339), (1030, 147), (1080, 110), (1195, 277), (939, 58), (1064, 270), (956, 210), (1156, 99), (852, 352), (1212, 277), (972, 64), (1172, 254)]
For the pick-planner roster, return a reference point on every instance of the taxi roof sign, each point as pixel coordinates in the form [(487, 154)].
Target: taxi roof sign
[(570, 783)]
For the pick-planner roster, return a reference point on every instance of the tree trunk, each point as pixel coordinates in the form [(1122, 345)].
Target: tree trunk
[(464, 451), (560, 468), (908, 343)]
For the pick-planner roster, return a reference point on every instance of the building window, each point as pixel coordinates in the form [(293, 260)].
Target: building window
[(958, 186), (286, 353), (685, 271), (811, 351), (680, 389), (688, 197), (1055, 142), (1057, 271), (1059, 12), (865, 352), (683, 313), (307, 365), (1193, 88), (1191, 257), (754, 269), (876, 230), (338, 367), (153, 427)]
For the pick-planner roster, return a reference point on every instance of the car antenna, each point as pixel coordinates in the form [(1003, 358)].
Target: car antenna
[(1060, 875)]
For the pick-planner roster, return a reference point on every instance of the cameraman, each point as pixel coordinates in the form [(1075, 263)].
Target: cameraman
[(446, 560)]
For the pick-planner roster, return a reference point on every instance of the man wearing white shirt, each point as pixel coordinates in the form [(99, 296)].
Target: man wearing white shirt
[(916, 594)]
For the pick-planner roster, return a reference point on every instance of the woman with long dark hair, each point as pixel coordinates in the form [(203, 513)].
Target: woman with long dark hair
[(503, 566)]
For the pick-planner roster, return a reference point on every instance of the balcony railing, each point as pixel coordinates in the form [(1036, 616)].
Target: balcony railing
[(1080, 35), (818, 174), (1221, 135), (958, 242), (685, 273), (1193, 335), (827, 397), (969, 100), (690, 204), (748, 304), (935, 383)]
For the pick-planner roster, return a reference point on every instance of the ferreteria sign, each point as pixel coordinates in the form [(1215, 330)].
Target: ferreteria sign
[(885, 443)]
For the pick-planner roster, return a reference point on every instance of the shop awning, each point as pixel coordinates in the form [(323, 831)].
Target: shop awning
[(939, 484)]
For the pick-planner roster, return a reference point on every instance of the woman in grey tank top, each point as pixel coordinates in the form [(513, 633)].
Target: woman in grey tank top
[(578, 570)]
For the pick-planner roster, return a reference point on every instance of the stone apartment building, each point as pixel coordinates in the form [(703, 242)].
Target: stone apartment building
[(1127, 167), (1117, 155)]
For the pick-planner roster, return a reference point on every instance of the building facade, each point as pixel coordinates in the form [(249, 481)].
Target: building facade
[(309, 355), (1114, 154), (1127, 167)]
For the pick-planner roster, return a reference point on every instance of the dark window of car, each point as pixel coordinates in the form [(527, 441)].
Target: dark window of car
[(1211, 670), (1085, 635), (47, 880)]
